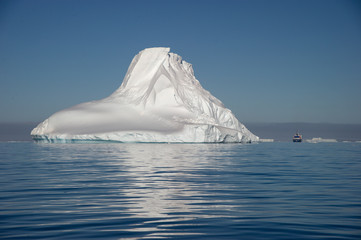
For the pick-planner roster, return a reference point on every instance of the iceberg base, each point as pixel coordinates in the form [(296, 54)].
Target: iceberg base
[(190, 134)]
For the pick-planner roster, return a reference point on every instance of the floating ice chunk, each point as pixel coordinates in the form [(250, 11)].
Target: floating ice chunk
[(319, 140)]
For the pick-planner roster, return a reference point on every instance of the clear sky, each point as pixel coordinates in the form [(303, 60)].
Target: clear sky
[(268, 61)]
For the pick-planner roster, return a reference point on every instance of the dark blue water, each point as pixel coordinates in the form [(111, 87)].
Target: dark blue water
[(181, 191)]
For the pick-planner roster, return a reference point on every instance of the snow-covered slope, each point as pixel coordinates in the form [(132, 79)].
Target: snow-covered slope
[(160, 100)]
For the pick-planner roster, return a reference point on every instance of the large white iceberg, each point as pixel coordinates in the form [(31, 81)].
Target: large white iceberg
[(160, 100)]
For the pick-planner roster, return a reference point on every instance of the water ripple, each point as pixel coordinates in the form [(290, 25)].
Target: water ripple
[(180, 191)]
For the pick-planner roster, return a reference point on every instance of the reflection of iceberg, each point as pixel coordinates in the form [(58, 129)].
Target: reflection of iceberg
[(160, 100), (164, 184), (167, 180), (319, 140)]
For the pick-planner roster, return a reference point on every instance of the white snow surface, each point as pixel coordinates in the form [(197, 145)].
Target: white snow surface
[(160, 100)]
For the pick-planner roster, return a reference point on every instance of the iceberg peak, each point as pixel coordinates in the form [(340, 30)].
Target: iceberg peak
[(160, 100)]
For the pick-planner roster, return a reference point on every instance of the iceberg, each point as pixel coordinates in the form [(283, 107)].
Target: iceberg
[(321, 140), (159, 100)]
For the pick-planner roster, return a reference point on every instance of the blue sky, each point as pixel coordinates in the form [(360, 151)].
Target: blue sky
[(268, 61)]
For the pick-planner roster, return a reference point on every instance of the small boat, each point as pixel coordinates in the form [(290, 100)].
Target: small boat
[(297, 137)]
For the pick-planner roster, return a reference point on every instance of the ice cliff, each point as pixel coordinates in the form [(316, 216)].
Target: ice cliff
[(160, 100)]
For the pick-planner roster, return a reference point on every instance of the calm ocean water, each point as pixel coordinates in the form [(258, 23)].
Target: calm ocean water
[(181, 191)]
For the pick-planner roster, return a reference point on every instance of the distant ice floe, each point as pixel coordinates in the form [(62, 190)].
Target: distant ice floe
[(319, 140), (266, 140)]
